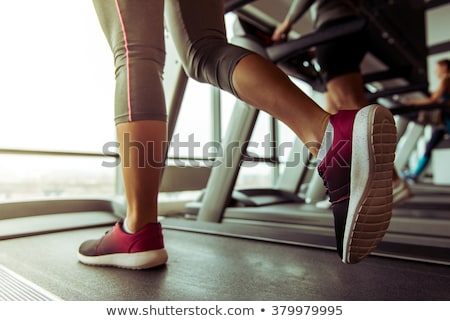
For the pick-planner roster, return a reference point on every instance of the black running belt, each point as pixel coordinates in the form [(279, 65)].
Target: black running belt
[(289, 49)]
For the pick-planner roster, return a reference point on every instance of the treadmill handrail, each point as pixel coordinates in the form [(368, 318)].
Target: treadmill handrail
[(422, 87), (231, 5), (403, 109), (289, 49)]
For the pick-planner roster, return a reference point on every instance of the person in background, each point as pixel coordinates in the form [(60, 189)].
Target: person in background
[(349, 165), (440, 95), (339, 62)]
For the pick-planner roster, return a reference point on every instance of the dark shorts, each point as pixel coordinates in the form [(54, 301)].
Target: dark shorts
[(343, 55)]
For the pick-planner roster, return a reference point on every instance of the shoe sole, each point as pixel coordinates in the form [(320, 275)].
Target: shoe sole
[(370, 204), (132, 261)]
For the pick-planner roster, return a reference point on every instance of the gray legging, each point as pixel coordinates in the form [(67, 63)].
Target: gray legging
[(135, 32)]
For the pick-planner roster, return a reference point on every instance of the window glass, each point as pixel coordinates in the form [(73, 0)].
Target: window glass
[(57, 94), (26, 177), (57, 77), (193, 131)]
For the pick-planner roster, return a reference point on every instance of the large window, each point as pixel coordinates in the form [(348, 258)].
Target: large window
[(57, 108), (57, 77), (57, 85)]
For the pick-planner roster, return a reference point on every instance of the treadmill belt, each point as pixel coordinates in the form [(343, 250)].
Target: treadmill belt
[(210, 267)]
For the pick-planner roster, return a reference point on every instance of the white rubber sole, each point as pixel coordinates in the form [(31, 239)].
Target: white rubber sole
[(370, 204), (133, 261)]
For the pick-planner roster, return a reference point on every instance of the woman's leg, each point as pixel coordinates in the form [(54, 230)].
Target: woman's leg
[(263, 85), (340, 61), (345, 85), (135, 32), (436, 138), (142, 151), (347, 91)]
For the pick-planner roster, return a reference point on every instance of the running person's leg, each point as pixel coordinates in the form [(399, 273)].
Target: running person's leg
[(436, 138), (135, 32), (347, 91), (358, 165), (340, 61)]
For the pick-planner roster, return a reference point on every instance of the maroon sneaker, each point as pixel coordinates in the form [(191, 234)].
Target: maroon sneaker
[(142, 250), (357, 171)]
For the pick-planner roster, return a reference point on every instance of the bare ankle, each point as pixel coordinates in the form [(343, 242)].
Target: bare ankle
[(131, 225)]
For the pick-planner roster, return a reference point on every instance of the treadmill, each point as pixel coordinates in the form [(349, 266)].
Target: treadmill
[(260, 261)]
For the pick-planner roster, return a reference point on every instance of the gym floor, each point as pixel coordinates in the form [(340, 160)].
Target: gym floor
[(209, 267)]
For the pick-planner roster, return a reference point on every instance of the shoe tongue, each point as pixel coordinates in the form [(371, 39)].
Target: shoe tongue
[(327, 141)]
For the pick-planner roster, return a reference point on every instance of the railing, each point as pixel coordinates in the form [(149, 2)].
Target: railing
[(54, 153)]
